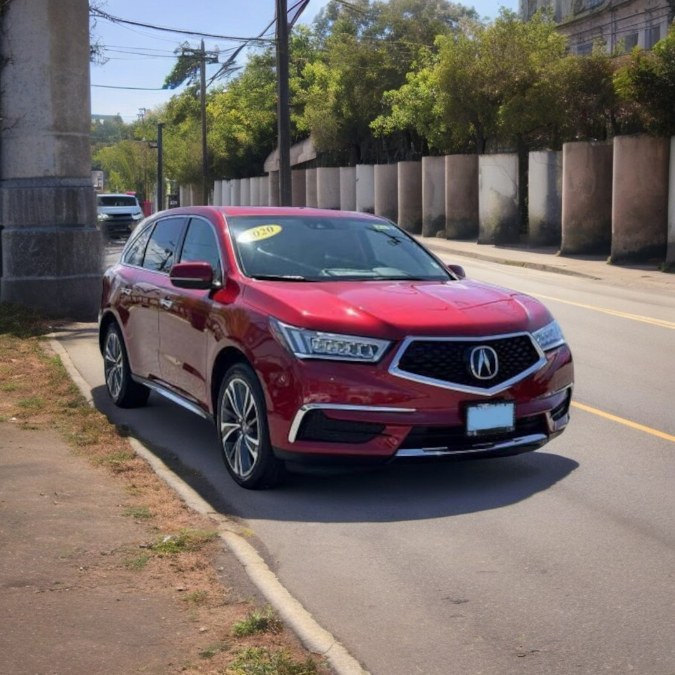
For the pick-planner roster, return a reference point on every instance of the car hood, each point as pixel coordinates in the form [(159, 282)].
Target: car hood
[(399, 308)]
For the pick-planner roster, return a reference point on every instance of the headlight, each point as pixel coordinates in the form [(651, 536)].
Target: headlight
[(137, 216), (550, 336), (103, 216), (311, 344)]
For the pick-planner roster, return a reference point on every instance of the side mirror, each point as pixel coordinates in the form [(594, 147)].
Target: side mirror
[(457, 270), (196, 275)]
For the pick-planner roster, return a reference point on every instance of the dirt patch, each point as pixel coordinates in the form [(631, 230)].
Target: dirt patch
[(104, 568)]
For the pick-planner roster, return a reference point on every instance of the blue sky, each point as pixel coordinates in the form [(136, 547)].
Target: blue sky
[(140, 58)]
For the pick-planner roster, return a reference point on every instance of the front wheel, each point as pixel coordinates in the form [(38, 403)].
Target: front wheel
[(124, 392), (243, 431)]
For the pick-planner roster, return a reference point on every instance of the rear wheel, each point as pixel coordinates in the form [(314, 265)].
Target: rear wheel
[(124, 392), (243, 431)]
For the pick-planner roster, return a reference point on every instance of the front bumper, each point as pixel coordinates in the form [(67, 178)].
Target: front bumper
[(372, 415)]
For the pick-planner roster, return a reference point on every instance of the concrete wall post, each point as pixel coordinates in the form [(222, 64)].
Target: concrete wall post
[(385, 179), (235, 192), (545, 198), (410, 196), (273, 188), (433, 196), (328, 188), (348, 188), (640, 198), (245, 192), (587, 198), (461, 196), (365, 188), (311, 191), (498, 184), (299, 186)]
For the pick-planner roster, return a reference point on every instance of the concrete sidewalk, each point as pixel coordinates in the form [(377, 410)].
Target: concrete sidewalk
[(547, 259)]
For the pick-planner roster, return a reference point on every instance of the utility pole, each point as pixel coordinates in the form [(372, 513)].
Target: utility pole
[(160, 168), (204, 58), (283, 114), (205, 161)]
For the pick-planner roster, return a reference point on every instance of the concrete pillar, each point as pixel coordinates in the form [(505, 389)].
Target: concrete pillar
[(226, 195), (245, 192), (498, 213), (263, 191), (235, 192), (433, 196), (217, 192), (311, 196), (365, 188), (328, 188), (461, 196), (254, 199), (385, 179), (545, 199), (640, 198), (299, 187), (50, 246), (348, 188), (410, 196), (586, 198), (670, 253), (273, 188)]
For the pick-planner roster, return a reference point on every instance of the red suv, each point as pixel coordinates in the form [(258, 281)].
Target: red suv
[(323, 336)]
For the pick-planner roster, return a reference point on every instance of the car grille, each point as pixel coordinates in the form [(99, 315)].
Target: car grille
[(447, 361)]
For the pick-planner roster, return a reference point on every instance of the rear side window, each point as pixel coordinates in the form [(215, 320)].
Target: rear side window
[(133, 255), (200, 245), (160, 252)]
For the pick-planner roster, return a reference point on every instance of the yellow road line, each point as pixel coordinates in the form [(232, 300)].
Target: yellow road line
[(613, 312), (621, 420)]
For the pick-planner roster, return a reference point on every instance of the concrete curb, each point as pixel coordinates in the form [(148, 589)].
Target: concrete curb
[(315, 638)]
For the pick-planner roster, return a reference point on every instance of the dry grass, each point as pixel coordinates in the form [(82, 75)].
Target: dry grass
[(182, 547)]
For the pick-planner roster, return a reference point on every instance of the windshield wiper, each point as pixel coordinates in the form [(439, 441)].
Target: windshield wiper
[(279, 277)]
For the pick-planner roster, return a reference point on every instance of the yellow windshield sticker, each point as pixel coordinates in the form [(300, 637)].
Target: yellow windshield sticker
[(258, 233)]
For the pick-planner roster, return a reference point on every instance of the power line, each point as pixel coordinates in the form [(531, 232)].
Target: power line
[(114, 19)]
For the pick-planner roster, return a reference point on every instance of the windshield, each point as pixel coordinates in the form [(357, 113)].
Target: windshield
[(116, 200), (310, 248)]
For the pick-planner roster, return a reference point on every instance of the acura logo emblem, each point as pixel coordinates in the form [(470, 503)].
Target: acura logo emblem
[(483, 362)]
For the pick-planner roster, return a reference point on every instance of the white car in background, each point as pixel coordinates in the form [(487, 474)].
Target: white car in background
[(118, 214)]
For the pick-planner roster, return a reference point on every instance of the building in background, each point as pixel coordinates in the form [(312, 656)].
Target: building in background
[(619, 24)]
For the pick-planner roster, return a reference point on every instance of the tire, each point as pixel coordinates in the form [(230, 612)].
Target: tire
[(243, 431), (124, 392)]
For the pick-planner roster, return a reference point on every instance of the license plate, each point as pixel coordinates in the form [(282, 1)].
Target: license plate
[(489, 418)]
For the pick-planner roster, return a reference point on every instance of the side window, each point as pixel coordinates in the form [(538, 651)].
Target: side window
[(161, 250), (201, 245), (136, 249)]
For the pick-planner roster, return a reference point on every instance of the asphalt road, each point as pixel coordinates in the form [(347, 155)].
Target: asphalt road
[(560, 561)]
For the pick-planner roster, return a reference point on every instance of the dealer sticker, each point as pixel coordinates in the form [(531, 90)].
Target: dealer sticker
[(259, 233)]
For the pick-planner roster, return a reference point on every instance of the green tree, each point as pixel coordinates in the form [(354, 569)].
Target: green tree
[(369, 48), (647, 82), (495, 82)]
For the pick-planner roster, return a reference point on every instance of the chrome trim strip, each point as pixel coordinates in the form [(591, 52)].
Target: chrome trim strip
[(173, 397), (502, 386), (299, 416), (532, 439)]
